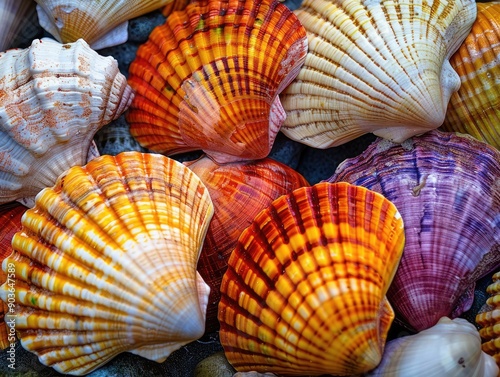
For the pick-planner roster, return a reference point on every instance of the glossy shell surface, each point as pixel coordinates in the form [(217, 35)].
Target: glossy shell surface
[(449, 348), (304, 293), (205, 80), (473, 109), (447, 188), (375, 66), (106, 263)]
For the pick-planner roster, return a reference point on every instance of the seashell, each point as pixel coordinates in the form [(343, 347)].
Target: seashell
[(488, 319), (14, 16), (100, 23), (449, 348), (53, 98), (304, 292), (375, 66), (239, 191), (10, 223), (447, 189), (106, 263), (473, 109), (174, 6), (204, 80)]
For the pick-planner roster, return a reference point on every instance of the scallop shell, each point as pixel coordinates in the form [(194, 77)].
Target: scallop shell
[(449, 348), (174, 6), (205, 80), (10, 223), (239, 191), (488, 319), (100, 23), (447, 189), (304, 293), (53, 98), (106, 263), (474, 108), (14, 16), (375, 66)]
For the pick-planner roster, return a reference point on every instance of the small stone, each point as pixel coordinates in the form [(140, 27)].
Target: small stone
[(215, 365)]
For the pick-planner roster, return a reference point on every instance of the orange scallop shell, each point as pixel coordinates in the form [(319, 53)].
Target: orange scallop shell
[(239, 191), (10, 223), (474, 109), (304, 293), (489, 320), (209, 79)]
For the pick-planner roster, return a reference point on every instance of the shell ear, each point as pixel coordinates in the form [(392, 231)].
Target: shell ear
[(304, 293), (106, 263)]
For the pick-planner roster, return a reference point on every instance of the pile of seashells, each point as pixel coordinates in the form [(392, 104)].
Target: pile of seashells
[(195, 227)]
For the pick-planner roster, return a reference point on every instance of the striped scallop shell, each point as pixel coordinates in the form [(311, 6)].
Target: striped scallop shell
[(106, 263), (449, 348), (209, 79), (375, 66), (474, 108), (239, 191), (447, 189), (100, 23), (10, 223), (304, 293), (489, 319), (53, 99)]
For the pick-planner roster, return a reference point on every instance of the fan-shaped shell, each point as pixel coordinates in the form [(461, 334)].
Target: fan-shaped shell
[(473, 109), (447, 189), (489, 318), (14, 16), (106, 263), (209, 79), (10, 223), (53, 98), (449, 348), (375, 66), (304, 292), (239, 191), (100, 23)]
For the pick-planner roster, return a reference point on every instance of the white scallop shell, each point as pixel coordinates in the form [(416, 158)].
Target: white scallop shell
[(451, 348), (53, 99), (375, 66)]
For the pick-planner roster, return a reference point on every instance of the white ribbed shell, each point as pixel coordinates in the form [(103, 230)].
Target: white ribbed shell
[(375, 66)]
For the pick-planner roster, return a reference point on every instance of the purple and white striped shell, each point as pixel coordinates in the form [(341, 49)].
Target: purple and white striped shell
[(447, 189)]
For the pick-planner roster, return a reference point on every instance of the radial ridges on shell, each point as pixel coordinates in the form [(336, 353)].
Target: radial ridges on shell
[(106, 263), (375, 66), (304, 293)]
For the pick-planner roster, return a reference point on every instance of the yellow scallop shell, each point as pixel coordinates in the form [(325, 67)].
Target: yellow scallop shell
[(106, 263)]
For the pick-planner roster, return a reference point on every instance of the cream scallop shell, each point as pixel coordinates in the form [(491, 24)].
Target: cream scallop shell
[(375, 66), (106, 263), (100, 23), (53, 99)]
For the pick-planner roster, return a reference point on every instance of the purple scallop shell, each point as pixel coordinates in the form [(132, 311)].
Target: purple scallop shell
[(447, 188)]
